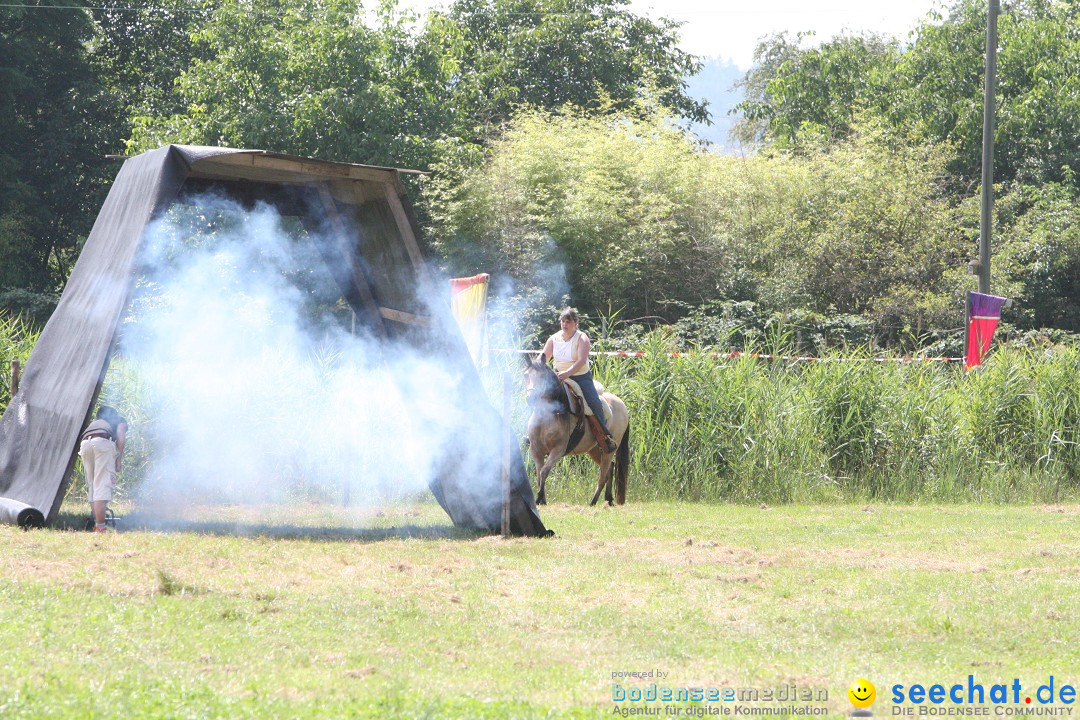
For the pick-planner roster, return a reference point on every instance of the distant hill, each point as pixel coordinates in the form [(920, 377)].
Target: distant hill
[(716, 83)]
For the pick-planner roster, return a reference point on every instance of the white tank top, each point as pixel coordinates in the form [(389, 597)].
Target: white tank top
[(565, 352)]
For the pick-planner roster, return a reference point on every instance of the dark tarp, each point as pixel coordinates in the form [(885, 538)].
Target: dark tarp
[(40, 428)]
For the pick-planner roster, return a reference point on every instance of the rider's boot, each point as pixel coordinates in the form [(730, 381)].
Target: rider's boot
[(602, 434)]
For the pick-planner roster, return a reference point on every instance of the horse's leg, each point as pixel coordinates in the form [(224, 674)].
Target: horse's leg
[(606, 475), (545, 468), (597, 456), (538, 463), (553, 458)]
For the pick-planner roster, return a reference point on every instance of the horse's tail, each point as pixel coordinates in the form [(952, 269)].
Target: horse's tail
[(622, 466)]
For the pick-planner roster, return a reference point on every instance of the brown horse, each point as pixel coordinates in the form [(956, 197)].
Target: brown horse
[(552, 423)]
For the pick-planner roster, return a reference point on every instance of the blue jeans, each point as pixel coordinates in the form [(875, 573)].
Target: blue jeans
[(588, 390)]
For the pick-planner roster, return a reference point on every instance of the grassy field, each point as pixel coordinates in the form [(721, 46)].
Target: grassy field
[(321, 612)]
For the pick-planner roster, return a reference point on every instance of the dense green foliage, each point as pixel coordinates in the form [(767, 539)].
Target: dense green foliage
[(503, 54), (933, 87), (553, 125), (302, 78), (642, 219), (1041, 259), (930, 90), (341, 80), (791, 92), (329, 81), (52, 122)]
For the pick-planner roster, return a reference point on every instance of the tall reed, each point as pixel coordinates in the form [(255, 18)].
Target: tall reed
[(844, 429), (17, 339)]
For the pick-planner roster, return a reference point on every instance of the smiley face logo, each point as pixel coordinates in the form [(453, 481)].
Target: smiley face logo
[(862, 693)]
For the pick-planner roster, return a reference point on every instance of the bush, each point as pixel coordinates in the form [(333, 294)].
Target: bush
[(1039, 260), (627, 211)]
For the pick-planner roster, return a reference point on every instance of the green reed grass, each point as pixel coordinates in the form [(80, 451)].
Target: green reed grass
[(844, 429), (754, 431), (17, 339)]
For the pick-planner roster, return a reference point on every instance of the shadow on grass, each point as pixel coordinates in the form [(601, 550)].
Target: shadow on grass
[(141, 522)]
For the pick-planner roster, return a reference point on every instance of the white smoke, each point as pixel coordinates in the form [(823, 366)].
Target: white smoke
[(518, 307), (259, 389)]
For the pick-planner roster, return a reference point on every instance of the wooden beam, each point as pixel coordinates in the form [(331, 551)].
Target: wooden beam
[(403, 317), (299, 167), (347, 252), (406, 231)]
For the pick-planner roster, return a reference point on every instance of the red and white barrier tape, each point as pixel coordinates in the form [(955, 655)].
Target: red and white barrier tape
[(760, 356)]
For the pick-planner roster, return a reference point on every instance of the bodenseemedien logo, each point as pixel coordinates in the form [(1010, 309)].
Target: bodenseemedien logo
[(788, 700)]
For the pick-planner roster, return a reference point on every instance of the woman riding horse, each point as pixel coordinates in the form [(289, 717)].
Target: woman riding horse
[(570, 349), (554, 432)]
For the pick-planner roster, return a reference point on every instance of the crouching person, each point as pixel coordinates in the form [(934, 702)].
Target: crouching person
[(101, 450)]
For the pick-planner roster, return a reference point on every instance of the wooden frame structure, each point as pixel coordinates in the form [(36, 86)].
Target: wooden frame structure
[(376, 259)]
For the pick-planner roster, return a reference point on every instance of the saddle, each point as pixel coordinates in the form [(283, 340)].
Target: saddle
[(577, 400), (584, 413)]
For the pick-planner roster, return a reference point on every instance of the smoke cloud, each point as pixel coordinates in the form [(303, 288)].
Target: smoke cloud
[(260, 387), (520, 307)]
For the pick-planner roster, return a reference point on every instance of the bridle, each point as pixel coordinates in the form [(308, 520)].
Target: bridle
[(541, 389)]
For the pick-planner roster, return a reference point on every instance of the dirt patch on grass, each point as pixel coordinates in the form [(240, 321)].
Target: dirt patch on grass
[(1060, 509), (682, 553)]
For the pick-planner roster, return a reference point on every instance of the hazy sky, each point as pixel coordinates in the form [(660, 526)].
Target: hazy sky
[(729, 29)]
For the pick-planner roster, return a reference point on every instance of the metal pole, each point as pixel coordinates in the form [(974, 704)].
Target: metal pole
[(986, 220), (507, 439)]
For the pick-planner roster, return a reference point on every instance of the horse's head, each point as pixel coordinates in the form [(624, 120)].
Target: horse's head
[(543, 387)]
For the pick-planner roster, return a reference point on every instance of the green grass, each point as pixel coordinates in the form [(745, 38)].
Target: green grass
[(313, 612)]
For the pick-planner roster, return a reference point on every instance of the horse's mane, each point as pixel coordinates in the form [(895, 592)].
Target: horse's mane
[(550, 389)]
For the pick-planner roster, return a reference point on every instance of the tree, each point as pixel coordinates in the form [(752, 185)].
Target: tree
[(932, 88), (816, 92), (500, 54), (1038, 263), (139, 51), (322, 80), (51, 148), (305, 79), (1038, 107)]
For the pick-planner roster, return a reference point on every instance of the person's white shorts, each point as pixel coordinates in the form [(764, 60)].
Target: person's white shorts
[(99, 462)]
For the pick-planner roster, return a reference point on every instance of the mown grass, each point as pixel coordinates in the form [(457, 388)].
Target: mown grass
[(844, 430), (312, 612)]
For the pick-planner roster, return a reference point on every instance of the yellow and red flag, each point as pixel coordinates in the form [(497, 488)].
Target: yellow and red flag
[(468, 302)]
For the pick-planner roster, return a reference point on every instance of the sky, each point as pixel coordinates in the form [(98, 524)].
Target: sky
[(729, 29)]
